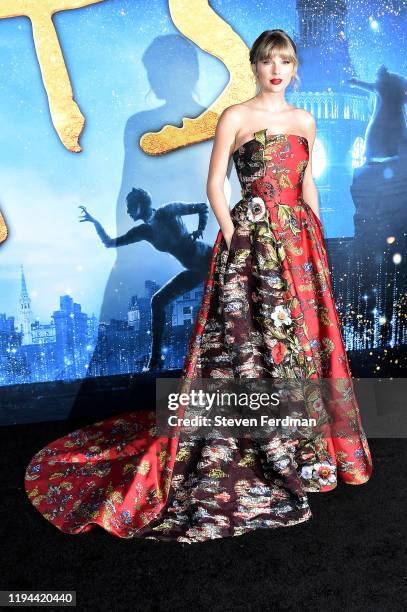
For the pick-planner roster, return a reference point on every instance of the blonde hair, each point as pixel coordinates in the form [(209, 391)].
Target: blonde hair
[(278, 40)]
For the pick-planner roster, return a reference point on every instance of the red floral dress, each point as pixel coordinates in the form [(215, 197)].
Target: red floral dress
[(267, 312)]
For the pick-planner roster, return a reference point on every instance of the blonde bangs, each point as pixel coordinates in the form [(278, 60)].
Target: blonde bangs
[(283, 49)]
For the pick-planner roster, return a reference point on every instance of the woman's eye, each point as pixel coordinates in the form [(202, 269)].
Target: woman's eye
[(284, 61)]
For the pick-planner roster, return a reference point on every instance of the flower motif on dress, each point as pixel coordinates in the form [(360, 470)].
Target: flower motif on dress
[(281, 316), (256, 209), (224, 496), (323, 472), (278, 352)]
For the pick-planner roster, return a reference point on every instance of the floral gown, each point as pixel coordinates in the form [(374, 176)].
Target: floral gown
[(267, 311)]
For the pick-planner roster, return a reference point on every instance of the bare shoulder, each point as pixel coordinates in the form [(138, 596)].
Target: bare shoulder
[(232, 115), (306, 120), (229, 123)]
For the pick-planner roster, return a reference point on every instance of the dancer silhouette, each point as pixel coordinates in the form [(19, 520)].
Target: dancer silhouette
[(166, 231)]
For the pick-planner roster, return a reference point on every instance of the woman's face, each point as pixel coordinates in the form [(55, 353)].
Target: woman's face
[(275, 72)]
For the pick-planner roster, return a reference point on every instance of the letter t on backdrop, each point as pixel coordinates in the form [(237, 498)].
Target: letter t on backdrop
[(65, 113)]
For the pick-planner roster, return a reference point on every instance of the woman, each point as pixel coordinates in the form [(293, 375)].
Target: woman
[(267, 312)]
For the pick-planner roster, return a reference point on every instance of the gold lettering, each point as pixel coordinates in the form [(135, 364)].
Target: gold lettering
[(3, 229), (65, 113), (198, 21)]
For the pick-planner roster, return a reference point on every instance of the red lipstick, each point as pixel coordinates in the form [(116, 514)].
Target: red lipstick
[(276, 81)]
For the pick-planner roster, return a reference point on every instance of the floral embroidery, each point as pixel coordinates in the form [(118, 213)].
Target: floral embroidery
[(324, 473), (256, 209), (281, 316)]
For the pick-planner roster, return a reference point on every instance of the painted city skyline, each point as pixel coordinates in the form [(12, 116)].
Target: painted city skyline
[(73, 345)]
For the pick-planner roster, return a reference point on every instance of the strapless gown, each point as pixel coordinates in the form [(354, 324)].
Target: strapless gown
[(267, 311)]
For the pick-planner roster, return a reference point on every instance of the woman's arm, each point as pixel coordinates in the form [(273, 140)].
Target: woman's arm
[(309, 189), (222, 149)]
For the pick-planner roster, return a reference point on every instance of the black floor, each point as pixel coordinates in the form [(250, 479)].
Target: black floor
[(351, 556)]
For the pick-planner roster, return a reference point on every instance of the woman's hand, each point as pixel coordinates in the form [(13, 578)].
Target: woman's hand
[(228, 238)]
